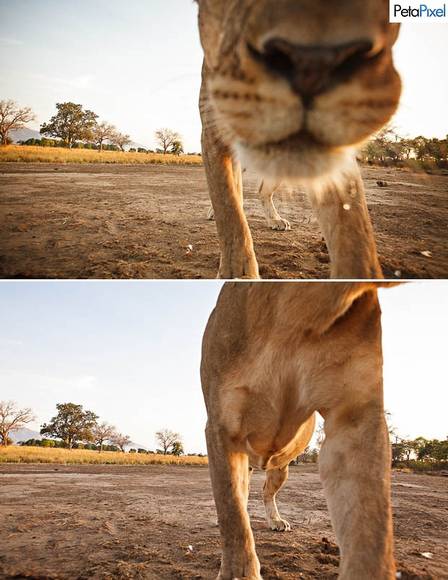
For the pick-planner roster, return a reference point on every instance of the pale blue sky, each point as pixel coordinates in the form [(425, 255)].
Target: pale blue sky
[(130, 351), (137, 64)]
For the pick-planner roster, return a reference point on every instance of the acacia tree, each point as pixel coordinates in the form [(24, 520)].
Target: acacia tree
[(120, 139), (120, 440), (13, 117), (177, 448), (11, 419), (168, 440), (71, 123), (71, 424), (103, 132), (167, 139), (177, 148), (103, 432)]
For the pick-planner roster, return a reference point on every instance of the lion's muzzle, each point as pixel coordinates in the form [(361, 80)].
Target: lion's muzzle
[(312, 70)]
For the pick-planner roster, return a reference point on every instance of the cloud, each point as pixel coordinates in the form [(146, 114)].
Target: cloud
[(54, 384), (79, 82), (11, 42), (84, 383), (10, 342)]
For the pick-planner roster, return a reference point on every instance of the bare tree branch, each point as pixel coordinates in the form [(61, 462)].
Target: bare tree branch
[(13, 117), (120, 440), (166, 138), (167, 440), (12, 419)]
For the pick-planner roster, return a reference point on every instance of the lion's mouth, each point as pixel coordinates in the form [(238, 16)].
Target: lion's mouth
[(301, 140)]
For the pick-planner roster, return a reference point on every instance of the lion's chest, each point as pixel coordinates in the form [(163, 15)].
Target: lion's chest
[(262, 406)]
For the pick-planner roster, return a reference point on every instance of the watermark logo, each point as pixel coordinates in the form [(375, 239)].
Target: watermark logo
[(416, 11)]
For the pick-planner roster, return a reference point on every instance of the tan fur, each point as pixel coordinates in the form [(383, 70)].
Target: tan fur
[(251, 114), (273, 355)]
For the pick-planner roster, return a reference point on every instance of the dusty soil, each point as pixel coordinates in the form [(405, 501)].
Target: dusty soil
[(102, 221), (158, 522)]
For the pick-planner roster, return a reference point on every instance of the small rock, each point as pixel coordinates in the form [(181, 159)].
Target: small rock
[(428, 555), (426, 253)]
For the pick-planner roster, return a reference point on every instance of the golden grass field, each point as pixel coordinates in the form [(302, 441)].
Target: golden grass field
[(19, 454), (34, 154)]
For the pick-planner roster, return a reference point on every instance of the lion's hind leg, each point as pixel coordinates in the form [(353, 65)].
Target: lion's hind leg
[(273, 218), (210, 213), (275, 480)]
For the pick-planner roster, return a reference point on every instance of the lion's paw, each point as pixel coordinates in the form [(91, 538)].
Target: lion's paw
[(280, 225), (280, 526)]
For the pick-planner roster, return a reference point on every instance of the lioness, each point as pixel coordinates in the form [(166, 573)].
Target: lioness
[(273, 219), (290, 88), (273, 355)]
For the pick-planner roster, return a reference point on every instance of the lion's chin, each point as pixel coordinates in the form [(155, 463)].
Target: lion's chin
[(297, 162)]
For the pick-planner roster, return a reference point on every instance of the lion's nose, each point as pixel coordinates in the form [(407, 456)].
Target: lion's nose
[(312, 70)]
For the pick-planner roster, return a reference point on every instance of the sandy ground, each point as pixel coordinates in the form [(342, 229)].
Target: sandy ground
[(102, 221), (158, 522)]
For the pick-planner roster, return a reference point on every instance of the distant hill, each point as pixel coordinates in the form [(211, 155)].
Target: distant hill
[(24, 134), (24, 434)]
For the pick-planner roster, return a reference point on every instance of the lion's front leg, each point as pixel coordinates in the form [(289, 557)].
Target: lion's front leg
[(237, 253), (355, 470), (341, 209), (226, 193), (229, 472)]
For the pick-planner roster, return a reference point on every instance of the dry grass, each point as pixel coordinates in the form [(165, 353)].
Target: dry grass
[(32, 154), (19, 454)]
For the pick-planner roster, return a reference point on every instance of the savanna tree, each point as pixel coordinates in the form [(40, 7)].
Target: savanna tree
[(13, 117), (120, 139), (71, 123), (167, 439), (177, 448), (121, 441), (11, 419), (103, 132), (167, 139), (103, 432), (71, 424)]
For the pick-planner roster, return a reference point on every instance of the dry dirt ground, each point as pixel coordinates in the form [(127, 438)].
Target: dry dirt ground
[(103, 221), (158, 522)]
